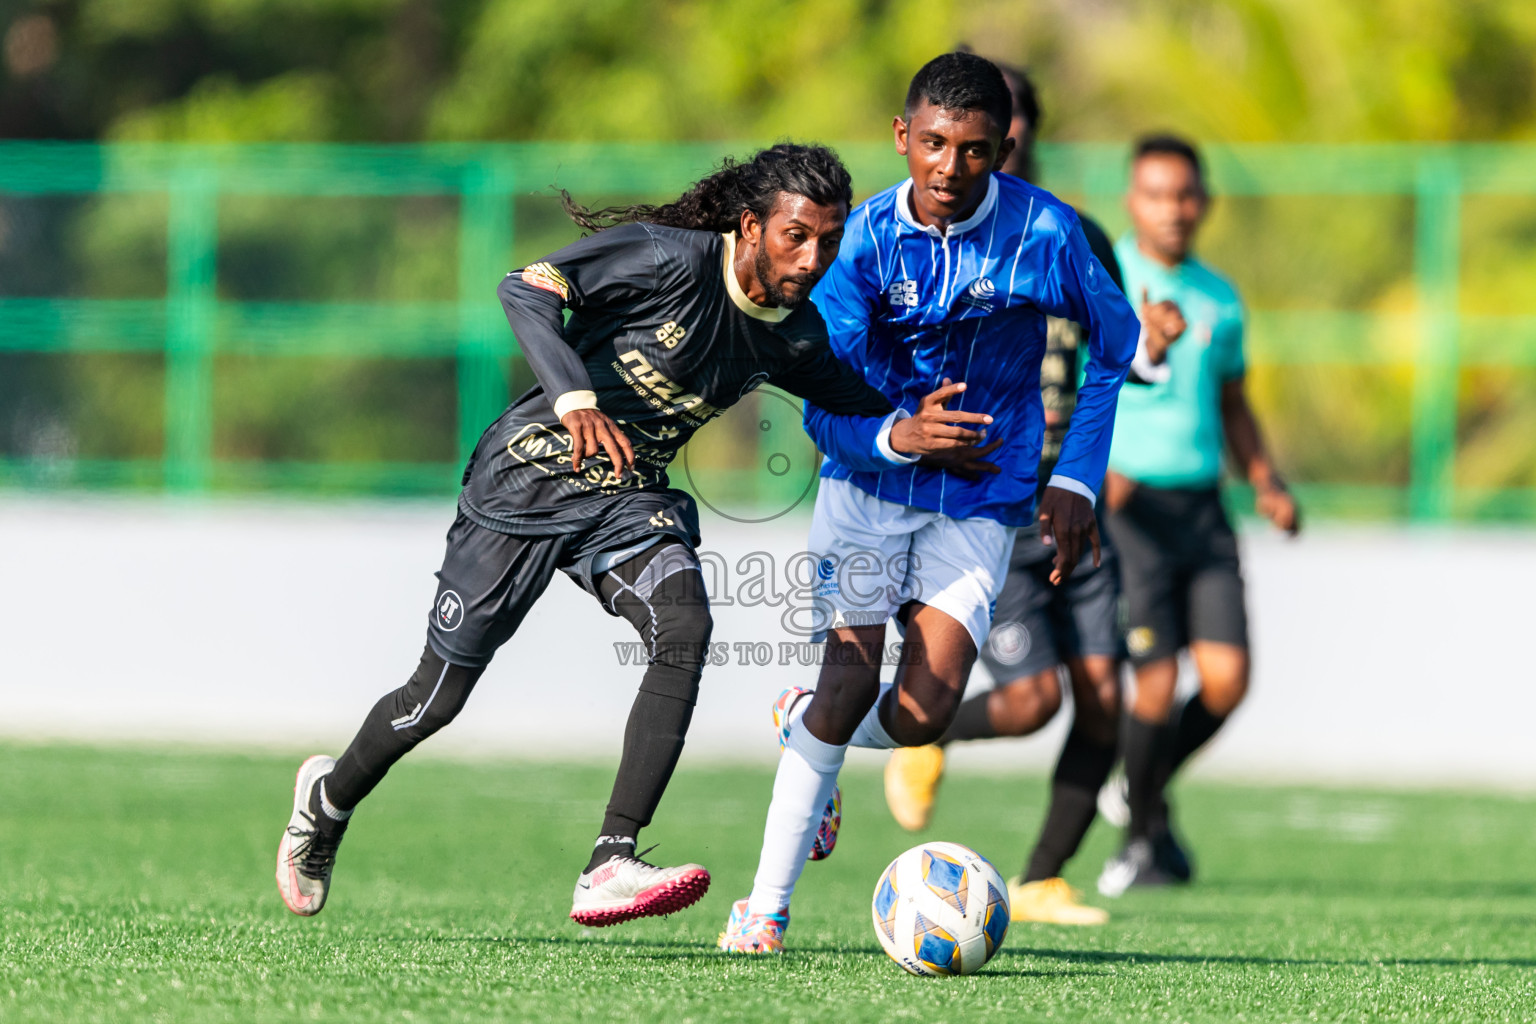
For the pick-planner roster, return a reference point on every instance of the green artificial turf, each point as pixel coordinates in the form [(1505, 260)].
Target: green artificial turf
[(138, 885)]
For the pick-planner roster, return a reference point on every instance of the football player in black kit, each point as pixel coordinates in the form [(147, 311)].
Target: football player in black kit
[(676, 313)]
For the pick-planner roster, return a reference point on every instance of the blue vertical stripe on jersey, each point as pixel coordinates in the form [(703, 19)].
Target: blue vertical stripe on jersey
[(908, 306)]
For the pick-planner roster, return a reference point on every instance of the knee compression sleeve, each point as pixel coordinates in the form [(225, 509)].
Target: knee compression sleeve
[(663, 597), (401, 719)]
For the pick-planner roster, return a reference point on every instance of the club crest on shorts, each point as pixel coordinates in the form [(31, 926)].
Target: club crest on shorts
[(1010, 643), (450, 611), (826, 573)]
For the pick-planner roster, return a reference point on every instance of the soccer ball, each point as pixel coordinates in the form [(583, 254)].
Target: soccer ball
[(940, 908)]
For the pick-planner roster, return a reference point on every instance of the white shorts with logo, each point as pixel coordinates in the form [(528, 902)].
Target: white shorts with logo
[(873, 556)]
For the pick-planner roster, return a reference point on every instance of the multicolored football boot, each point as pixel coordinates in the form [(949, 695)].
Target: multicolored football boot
[(746, 932), (832, 816), (826, 832)]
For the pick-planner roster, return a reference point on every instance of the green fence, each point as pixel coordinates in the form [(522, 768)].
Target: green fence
[(193, 326)]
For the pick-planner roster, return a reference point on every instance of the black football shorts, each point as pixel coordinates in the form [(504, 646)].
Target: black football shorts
[(1180, 572), (1038, 625), (490, 579)]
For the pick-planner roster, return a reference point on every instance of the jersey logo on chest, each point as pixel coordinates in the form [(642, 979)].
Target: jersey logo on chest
[(661, 392), (982, 294), (902, 294), (670, 333)]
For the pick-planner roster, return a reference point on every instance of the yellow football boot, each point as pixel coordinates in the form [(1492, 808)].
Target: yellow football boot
[(911, 781), (1051, 901)]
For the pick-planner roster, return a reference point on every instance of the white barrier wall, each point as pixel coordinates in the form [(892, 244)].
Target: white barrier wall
[(1383, 655)]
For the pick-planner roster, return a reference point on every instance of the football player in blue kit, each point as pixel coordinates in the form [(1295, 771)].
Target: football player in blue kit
[(944, 280)]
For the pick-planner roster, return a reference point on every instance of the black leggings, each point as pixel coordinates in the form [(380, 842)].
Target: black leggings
[(672, 615), (658, 592)]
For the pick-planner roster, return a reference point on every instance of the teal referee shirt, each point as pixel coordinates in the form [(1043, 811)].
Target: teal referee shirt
[(1169, 433)]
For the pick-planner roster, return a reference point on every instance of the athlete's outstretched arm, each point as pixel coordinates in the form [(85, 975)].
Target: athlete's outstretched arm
[(1076, 287), (846, 417), (610, 270), (1102, 248), (1079, 289), (901, 438)]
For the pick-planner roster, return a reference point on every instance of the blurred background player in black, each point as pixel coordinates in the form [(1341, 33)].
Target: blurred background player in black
[(1040, 627), (1178, 554)]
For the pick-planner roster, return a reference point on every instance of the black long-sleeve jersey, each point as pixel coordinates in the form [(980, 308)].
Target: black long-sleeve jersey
[(661, 338)]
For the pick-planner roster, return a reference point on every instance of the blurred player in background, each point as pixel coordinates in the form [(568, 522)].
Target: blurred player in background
[(1178, 554), (1039, 626), (675, 314), (947, 276)]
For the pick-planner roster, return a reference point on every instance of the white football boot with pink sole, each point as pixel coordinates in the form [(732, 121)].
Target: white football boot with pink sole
[(306, 854), (623, 888)]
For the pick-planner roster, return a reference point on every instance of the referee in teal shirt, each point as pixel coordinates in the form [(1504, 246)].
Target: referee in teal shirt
[(1180, 573)]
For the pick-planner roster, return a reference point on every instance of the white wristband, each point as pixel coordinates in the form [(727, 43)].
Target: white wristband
[(883, 440), (573, 400), (1066, 483)]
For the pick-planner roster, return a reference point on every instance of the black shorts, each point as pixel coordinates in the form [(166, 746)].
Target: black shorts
[(1180, 572), (1038, 625), (490, 579)]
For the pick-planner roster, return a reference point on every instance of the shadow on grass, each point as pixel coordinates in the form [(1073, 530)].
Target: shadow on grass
[(1099, 956), (1402, 888), (993, 971), (675, 949), (654, 949)]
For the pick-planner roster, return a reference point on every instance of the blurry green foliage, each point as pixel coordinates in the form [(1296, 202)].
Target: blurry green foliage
[(412, 70), (744, 72), (327, 410)]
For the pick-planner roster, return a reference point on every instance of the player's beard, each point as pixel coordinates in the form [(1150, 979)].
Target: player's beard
[(762, 266)]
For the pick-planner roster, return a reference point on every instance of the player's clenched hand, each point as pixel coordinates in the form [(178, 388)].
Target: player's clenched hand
[(592, 431), (1066, 520), (1275, 503), (965, 463), (1164, 322), (933, 428)]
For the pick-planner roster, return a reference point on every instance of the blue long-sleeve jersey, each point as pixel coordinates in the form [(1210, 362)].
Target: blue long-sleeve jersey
[(908, 305)]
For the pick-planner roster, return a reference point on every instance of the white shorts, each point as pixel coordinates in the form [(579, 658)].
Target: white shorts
[(873, 556)]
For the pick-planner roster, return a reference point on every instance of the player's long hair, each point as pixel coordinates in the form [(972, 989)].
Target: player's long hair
[(715, 203)]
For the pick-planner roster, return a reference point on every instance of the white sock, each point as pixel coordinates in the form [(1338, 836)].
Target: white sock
[(870, 733), (807, 772), (331, 810)]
